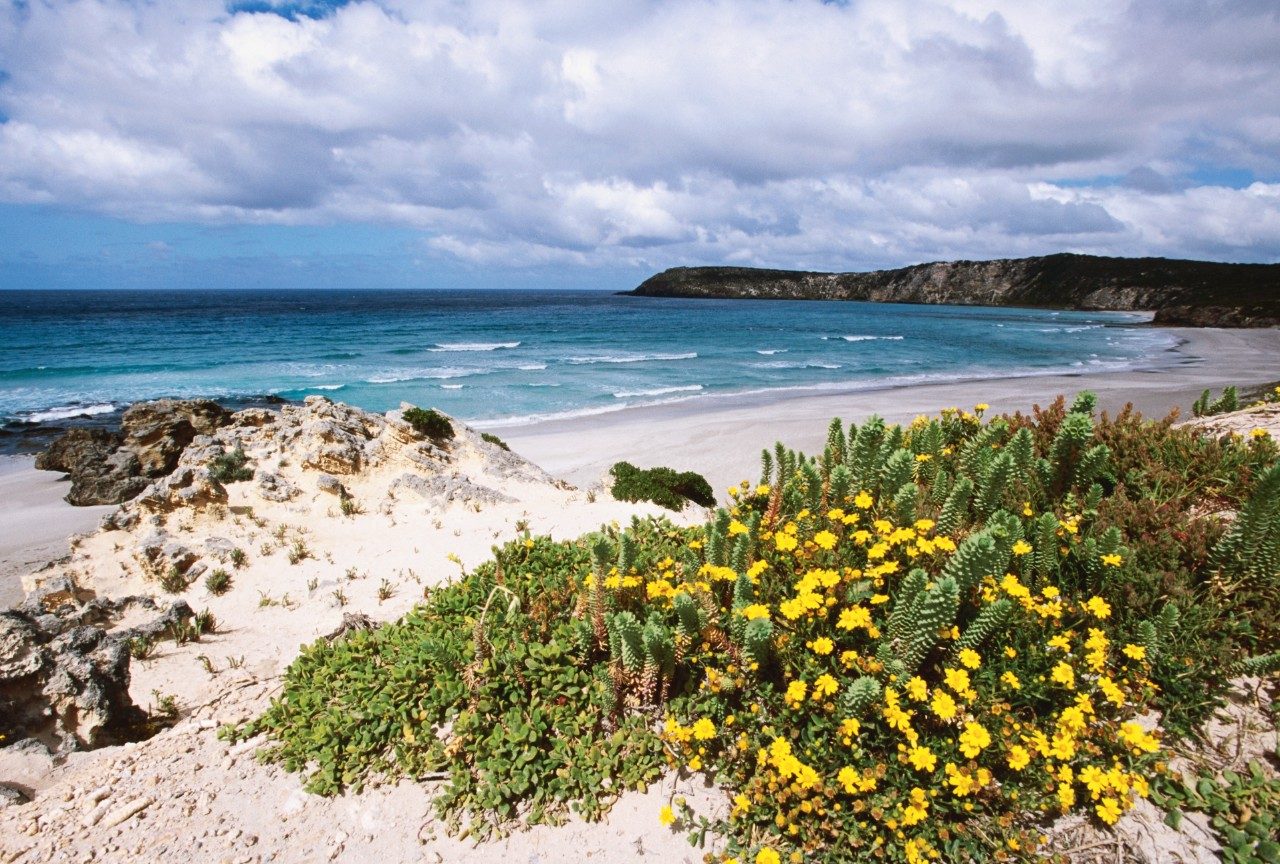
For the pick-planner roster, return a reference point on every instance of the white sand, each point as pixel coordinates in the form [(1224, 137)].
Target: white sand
[(722, 438), (35, 523)]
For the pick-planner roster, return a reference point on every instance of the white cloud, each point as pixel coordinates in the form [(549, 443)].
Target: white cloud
[(641, 134)]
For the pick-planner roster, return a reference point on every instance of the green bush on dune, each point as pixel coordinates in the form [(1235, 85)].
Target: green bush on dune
[(665, 487), (429, 422), (927, 642)]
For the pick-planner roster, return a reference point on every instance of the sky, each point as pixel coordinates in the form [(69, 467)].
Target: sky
[(393, 143)]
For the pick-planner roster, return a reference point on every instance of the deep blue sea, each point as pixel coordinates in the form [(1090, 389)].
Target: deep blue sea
[(511, 357)]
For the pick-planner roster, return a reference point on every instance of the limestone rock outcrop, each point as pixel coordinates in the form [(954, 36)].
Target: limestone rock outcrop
[(64, 679), (109, 467)]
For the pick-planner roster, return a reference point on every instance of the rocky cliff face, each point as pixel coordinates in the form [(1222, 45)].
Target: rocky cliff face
[(1193, 293)]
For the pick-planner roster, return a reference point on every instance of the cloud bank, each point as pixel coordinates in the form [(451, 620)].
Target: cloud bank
[(643, 134)]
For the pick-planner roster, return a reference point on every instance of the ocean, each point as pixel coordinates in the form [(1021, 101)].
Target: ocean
[(503, 358)]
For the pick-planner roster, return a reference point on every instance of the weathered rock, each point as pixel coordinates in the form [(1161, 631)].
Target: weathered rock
[(185, 487), (332, 485), (449, 488), (111, 467), (11, 796), (68, 688), (273, 487), (64, 680), (159, 431)]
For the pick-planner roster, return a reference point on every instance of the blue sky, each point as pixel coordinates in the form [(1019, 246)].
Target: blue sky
[(405, 143)]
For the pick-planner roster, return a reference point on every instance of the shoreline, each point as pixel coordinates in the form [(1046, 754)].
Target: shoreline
[(722, 442), (721, 436)]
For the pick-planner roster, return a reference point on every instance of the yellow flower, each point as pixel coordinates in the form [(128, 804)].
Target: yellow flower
[(917, 689), (785, 542), (1026, 509), (970, 658), (854, 617), (1063, 674), (767, 856), (754, 611), (980, 407), (1138, 739), (666, 816), (863, 500), (796, 691), (1022, 547), (824, 686), (957, 679), (922, 758), (822, 646), (943, 705), (1098, 607), (1011, 680), (1019, 757), (736, 527), (1108, 810), (825, 539), (1135, 652), (1258, 432), (704, 729), (974, 739), (923, 457), (1112, 560)]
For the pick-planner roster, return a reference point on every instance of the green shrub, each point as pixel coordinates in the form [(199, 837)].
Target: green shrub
[(495, 440), (231, 467), (663, 486), (218, 582), (429, 422)]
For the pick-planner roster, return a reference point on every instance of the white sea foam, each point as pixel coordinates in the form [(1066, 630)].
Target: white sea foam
[(326, 386), (450, 386), (658, 391), (629, 358), (794, 364), (422, 375), (861, 338), (68, 411), (473, 346), (532, 367), (769, 351)]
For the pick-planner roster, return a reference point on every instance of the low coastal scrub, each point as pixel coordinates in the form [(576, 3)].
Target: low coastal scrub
[(430, 423), (231, 467), (1230, 400), (923, 644), (665, 487), (494, 440)]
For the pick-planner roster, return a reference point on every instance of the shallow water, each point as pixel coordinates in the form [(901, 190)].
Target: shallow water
[(515, 357)]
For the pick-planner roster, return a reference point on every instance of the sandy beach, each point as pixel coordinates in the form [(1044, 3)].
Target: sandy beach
[(36, 524), (721, 438)]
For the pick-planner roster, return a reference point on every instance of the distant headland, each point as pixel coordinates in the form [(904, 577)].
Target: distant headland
[(1186, 293)]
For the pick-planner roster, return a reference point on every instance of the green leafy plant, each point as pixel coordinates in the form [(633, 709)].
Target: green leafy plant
[(665, 487), (231, 467), (218, 582), (430, 423), (1243, 810)]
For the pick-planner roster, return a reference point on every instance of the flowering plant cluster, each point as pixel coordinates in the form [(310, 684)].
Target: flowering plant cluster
[(919, 691), (923, 644)]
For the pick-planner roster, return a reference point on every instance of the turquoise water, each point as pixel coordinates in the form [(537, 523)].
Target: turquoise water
[(496, 357)]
